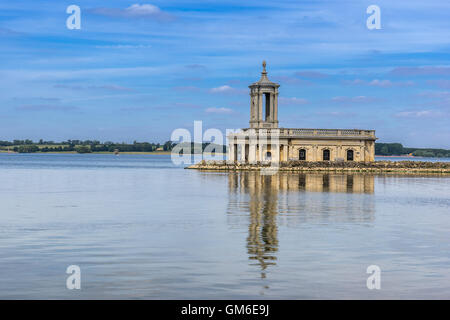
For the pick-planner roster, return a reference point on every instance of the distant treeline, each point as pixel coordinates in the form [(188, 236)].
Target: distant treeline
[(88, 146), (80, 146), (397, 149)]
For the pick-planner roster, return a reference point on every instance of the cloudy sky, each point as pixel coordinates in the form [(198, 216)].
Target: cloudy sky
[(137, 71)]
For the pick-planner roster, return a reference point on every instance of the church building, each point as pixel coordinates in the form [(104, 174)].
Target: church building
[(265, 141)]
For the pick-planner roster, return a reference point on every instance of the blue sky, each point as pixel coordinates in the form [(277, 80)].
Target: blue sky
[(139, 70)]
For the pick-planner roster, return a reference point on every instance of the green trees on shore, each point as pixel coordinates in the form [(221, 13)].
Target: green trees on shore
[(27, 149), (88, 146), (397, 149), (83, 149)]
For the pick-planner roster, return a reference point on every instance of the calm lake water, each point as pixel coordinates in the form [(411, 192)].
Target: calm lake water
[(141, 228)]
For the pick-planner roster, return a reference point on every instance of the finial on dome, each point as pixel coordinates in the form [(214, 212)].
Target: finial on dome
[(264, 65)]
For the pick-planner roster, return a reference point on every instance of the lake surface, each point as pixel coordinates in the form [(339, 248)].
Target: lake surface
[(141, 228)]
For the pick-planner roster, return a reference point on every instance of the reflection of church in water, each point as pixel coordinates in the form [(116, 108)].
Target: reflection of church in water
[(268, 202)]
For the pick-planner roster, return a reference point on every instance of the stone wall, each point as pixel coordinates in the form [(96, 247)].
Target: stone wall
[(332, 166)]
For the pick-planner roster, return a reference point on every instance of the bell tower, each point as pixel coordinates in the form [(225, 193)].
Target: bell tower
[(264, 102)]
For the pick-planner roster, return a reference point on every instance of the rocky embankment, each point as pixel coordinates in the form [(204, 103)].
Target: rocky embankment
[(331, 166)]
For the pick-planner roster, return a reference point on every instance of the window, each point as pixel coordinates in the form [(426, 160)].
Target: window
[(349, 155), (302, 154), (268, 155), (326, 155)]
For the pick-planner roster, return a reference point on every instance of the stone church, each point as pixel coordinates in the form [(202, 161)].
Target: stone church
[(265, 141)]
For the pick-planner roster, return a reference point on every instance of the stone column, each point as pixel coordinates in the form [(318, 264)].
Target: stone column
[(366, 151), (372, 151), (275, 151), (271, 107), (275, 107), (260, 152), (255, 107), (260, 106), (231, 152), (252, 153), (252, 107), (242, 152)]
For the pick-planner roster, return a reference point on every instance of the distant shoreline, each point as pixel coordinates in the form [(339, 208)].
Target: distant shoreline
[(111, 153), (99, 152), (405, 156), (169, 152)]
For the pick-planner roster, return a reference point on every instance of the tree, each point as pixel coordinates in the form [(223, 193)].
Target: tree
[(83, 149), (168, 146), (384, 150), (27, 149)]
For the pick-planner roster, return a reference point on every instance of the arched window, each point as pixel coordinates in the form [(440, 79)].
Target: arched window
[(268, 156), (326, 155), (349, 155), (302, 154)]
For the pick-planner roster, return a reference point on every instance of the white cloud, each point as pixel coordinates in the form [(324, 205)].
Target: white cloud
[(419, 114), (142, 10), (222, 89), (226, 89), (148, 11), (354, 82), (379, 83), (292, 100), (219, 110)]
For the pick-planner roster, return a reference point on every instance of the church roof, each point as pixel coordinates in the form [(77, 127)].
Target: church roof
[(264, 81)]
